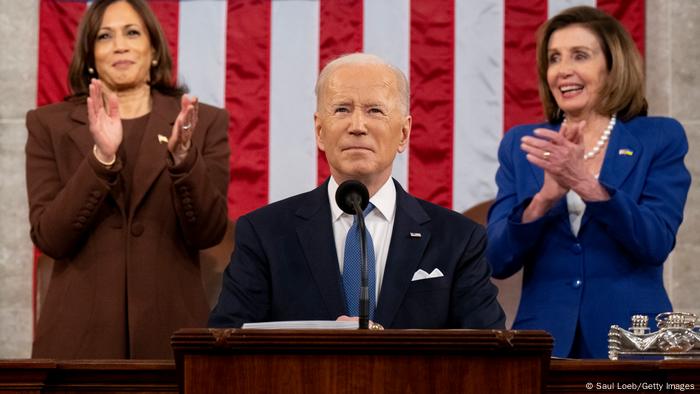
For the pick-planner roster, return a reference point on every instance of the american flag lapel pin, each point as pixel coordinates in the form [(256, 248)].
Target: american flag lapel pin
[(625, 152), (415, 235)]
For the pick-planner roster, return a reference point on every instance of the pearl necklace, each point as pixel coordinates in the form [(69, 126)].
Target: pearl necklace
[(602, 140)]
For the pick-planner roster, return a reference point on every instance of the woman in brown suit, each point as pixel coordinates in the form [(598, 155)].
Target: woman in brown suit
[(126, 182)]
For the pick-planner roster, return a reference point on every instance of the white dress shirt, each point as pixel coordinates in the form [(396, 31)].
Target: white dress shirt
[(576, 208), (379, 223)]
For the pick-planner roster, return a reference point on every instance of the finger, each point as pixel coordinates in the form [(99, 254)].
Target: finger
[(91, 110), (572, 131), (195, 116), (549, 135), (113, 106), (535, 142), (544, 155), (97, 95), (174, 138), (534, 159), (578, 133)]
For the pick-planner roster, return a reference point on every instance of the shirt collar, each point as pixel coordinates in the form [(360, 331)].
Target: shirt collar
[(384, 200)]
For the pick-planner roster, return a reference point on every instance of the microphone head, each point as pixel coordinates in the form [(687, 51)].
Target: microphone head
[(350, 191)]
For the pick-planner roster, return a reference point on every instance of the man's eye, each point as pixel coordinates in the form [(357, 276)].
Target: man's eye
[(377, 111), (341, 110)]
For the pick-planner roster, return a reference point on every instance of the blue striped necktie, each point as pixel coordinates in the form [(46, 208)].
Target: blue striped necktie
[(351, 268)]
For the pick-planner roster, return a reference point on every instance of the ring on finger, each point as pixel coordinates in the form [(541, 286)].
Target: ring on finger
[(546, 155), (187, 126)]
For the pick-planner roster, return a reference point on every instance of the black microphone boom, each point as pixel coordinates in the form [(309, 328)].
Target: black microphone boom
[(353, 197)]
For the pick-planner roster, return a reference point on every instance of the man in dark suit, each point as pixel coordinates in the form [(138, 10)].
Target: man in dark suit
[(292, 258)]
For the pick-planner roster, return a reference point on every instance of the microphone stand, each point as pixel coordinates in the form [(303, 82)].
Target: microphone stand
[(364, 285)]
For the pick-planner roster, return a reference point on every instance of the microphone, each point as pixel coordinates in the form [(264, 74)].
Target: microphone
[(353, 197)]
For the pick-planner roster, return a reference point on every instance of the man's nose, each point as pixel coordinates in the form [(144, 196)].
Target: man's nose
[(358, 123)]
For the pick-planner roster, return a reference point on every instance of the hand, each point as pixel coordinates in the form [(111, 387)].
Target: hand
[(104, 122), (558, 153), (181, 136), (561, 156), (372, 325)]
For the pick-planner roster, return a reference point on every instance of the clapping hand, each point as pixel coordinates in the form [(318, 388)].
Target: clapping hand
[(559, 154), (104, 121), (181, 136)]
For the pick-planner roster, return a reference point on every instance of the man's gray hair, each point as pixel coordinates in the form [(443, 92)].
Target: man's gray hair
[(366, 58)]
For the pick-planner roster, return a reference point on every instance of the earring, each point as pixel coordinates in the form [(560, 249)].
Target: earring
[(154, 62), (91, 70)]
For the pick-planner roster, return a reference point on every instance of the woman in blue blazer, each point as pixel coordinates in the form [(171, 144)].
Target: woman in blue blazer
[(588, 203)]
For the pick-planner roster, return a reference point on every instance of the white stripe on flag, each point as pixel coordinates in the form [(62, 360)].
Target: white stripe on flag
[(556, 6), (386, 34), (202, 49), (478, 113), (294, 66)]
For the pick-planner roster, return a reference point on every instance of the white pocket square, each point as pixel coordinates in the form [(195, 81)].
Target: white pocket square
[(420, 275)]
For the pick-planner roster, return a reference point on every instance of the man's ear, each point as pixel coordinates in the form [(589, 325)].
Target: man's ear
[(318, 130), (405, 134)]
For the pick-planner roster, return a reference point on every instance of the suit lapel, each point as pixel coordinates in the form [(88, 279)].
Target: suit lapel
[(405, 253), (80, 134), (152, 154), (622, 155), (315, 234)]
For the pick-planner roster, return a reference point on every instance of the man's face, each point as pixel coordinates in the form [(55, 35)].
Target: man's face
[(360, 123)]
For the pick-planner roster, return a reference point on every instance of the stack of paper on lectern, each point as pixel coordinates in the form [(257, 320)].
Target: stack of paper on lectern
[(305, 324)]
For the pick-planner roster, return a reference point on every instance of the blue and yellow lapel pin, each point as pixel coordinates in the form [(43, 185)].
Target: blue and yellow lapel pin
[(625, 152)]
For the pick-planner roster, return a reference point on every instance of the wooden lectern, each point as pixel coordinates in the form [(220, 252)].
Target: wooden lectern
[(361, 361)]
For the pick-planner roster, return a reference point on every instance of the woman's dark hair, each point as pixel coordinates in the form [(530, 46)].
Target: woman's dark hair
[(623, 92), (79, 77)]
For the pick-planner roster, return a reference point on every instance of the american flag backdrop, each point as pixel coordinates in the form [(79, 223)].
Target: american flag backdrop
[(471, 66)]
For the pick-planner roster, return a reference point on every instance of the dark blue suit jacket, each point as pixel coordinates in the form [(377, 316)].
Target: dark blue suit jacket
[(285, 267), (613, 268)]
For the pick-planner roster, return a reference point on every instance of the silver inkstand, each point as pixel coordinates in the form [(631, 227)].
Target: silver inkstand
[(678, 337)]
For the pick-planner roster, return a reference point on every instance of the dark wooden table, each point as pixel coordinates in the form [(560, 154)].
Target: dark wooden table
[(133, 376), (604, 376)]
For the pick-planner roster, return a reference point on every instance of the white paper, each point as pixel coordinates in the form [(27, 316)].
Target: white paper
[(305, 324)]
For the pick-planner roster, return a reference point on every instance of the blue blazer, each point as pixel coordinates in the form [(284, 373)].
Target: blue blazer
[(613, 268), (285, 267)]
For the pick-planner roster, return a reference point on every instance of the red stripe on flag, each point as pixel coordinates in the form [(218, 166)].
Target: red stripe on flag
[(168, 14), (58, 22), (521, 102), (248, 103), (432, 103), (340, 33), (631, 14)]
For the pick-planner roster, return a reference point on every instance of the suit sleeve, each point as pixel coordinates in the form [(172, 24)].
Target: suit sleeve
[(511, 240), (62, 211), (646, 227), (474, 295), (245, 291), (200, 183)]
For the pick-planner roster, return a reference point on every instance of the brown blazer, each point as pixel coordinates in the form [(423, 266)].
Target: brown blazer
[(123, 280)]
